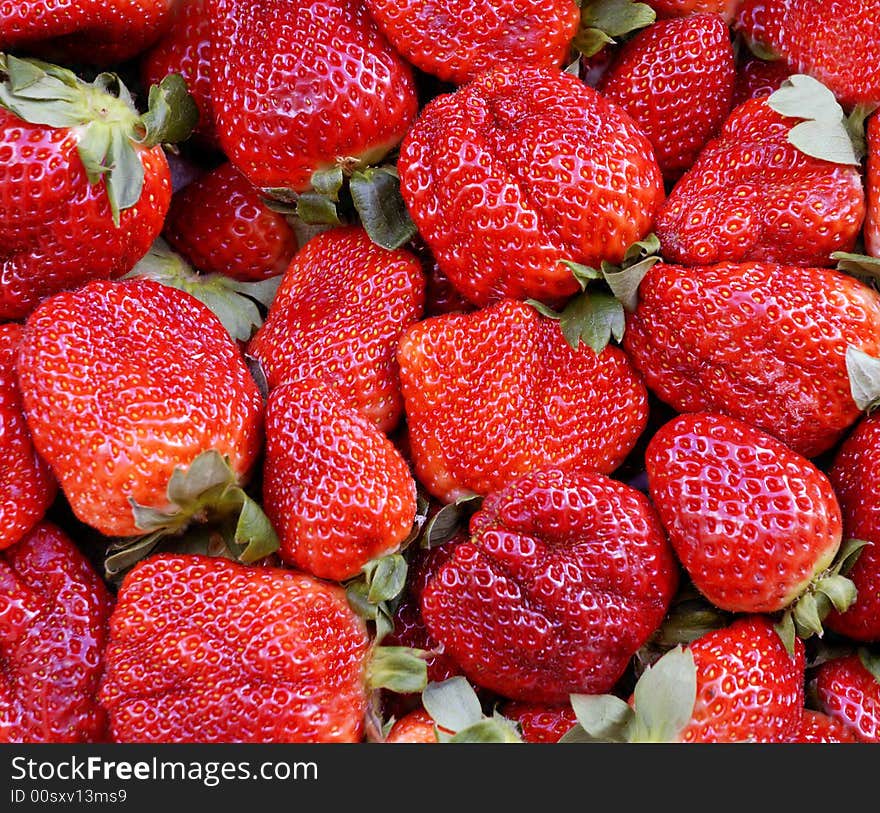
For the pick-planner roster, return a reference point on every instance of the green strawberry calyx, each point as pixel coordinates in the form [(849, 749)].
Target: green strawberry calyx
[(449, 520), (607, 22), (458, 715), (375, 594), (109, 130), (863, 371), (399, 669)]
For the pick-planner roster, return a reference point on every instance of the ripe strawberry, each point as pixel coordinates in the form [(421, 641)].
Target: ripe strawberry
[(220, 223), (303, 86), (53, 626), (27, 487), (206, 650), (520, 169), (340, 310), (335, 488), (753, 195), (837, 43), (683, 8), (848, 689), (122, 382), (540, 723), (417, 726), (817, 727), (872, 220), (455, 40), (756, 78), (496, 393), (566, 574), (760, 342), (676, 79)]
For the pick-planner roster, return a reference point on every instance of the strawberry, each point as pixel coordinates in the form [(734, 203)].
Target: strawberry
[(456, 40), (53, 626), (65, 218), (675, 79), (848, 689), (496, 393), (520, 169), (335, 488), (752, 195), (203, 649), (220, 223), (872, 220), (540, 723), (338, 314), (124, 382), (763, 343), (28, 487), (837, 43), (817, 727), (683, 8), (417, 726), (303, 86), (756, 78), (88, 31), (755, 525), (565, 576)]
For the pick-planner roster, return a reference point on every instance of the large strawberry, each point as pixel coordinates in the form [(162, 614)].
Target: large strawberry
[(53, 627), (763, 343), (340, 310), (565, 576), (872, 220), (456, 40), (27, 487), (523, 168), (84, 184), (206, 650), (848, 689), (496, 393), (676, 80)]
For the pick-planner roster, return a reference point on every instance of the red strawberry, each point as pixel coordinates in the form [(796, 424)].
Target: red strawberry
[(417, 726), (540, 723), (493, 394), (683, 8), (872, 221), (565, 576), (335, 488), (756, 78), (301, 85), (456, 40), (122, 382), (89, 31), (837, 43), (206, 650), (675, 79), (817, 727), (339, 312), (753, 195), (523, 168), (28, 487), (53, 627), (220, 223), (760, 342), (848, 689)]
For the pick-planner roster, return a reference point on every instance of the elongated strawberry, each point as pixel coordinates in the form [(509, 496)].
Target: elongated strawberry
[(565, 576), (818, 727), (848, 689), (760, 342), (496, 393), (206, 650), (340, 310), (53, 627), (675, 79), (523, 168), (872, 220)]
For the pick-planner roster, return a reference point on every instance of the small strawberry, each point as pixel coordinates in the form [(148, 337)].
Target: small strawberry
[(872, 221), (756, 78), (339, 313), (675, 79), (53, 627), (206, 650), (683, 8), (456, 40), (496, 393), (848, 689), (817, 727), (540, 723), (565, 576), (417, 726), (523, 168), (763, 343)]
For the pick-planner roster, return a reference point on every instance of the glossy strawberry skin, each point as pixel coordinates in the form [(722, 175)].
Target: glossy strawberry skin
[(523, 168), (298, 86), (684, 8), (749, 689), (122, 382), (848, 692), (220, 223), (53, 627), (27, 487), (753, 196), (56, 229), (456, 40), (541, 723), (756, 78), (760, 342), (496, 393), (751, 521), (676, 80), (339, 313), (872, 220), (417, 726), (817, 727), (565, 576), (336, 490), (203, 649)]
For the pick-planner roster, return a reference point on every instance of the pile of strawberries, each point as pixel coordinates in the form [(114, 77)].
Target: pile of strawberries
[(439, 371)]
